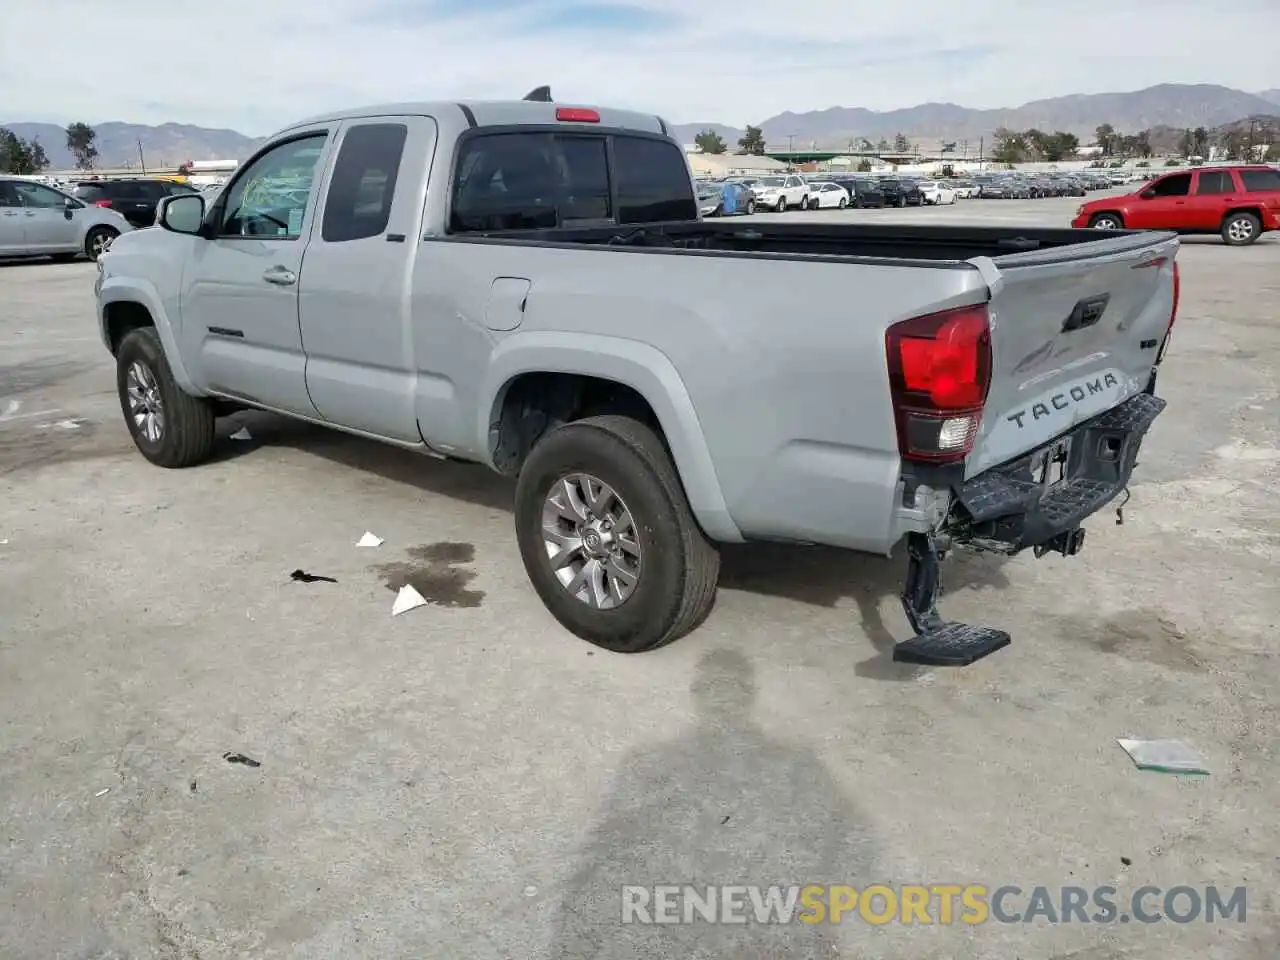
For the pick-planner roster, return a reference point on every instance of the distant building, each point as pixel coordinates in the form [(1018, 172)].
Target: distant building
[(731, 164)]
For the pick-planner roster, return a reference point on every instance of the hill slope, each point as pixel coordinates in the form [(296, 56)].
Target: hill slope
[(167, 145), (1169, 104)]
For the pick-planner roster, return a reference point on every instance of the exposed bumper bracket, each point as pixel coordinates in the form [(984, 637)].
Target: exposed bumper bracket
[(938, 642)]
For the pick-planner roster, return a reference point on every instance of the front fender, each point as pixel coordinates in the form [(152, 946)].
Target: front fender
[(639, 366), (143, 292)]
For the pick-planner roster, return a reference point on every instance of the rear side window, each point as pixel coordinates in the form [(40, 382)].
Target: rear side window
[(652, 181), (1260, 181), (1179, 185), (90, 193), (364, 182), (1215, 181)]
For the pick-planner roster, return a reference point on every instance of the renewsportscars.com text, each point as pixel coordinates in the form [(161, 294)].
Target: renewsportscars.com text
[(969, 904)]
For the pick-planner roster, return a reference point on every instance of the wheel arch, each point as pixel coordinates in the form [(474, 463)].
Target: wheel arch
[(537, 380), (125, 305)]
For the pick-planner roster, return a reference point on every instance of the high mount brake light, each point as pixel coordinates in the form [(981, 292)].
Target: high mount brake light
[(577, 115), (939, 375)]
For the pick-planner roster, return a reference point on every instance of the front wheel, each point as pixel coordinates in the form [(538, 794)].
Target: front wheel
[(97, 240), (782, 204), (169, 427), (608, 539), (843, 203), (1240, 229), (751, 207), (1106, 221)]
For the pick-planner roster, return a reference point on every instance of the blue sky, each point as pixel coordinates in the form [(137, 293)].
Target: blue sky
[(255, 65)]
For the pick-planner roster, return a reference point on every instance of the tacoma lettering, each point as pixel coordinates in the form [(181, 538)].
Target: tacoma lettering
[(1059, 400)]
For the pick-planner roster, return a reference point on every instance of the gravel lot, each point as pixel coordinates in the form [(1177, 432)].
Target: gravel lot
[(468, 780)]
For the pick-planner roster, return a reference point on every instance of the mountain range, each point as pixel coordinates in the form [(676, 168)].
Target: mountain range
[(1167, 105)]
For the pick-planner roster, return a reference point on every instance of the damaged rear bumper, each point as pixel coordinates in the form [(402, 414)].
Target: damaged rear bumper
[(1022, 504)]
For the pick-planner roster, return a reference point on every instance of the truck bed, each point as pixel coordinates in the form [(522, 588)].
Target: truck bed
[(877, 242)]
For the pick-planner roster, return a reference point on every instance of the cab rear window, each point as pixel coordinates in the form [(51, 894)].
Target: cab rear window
[(540, 180)]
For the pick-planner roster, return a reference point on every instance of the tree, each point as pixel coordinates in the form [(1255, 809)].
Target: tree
[(23, 157), (37, 159), (1008, 146), (752, 142), (901, 144), (1188, 143), (1143, 144), (1200, 138), (883, 145), (1105, 137), (709, 141), (864, 165), (80, 138)]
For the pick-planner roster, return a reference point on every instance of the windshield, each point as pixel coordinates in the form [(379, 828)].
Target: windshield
[(771, 182)]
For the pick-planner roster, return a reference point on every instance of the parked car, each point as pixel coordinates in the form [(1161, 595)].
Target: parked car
[(38, 221), (134, 198), (901, 192), (780, 193), (710, 200), (1240, 203), (935, 192), (825, 195), (993, 190), (965, 189), (864, 192), (549, 266)]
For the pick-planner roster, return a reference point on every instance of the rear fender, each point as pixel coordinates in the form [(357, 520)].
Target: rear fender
[(638, 366)]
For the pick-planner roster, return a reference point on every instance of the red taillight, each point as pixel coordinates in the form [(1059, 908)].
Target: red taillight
[(1173, 313), (102, 203), (939, 374), (577, 115)]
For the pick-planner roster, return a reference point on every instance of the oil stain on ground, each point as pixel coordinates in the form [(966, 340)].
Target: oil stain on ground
[(1140, 635), (436, 571)]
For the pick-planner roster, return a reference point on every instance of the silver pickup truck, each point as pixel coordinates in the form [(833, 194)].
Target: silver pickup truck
[(528, 285)]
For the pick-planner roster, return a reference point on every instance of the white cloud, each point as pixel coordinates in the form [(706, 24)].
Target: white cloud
[(255, 65)]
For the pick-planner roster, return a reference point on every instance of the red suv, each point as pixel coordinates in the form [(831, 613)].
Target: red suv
[(1241, 203)]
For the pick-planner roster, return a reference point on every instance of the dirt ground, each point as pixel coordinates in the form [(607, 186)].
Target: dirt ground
[(468, 780)]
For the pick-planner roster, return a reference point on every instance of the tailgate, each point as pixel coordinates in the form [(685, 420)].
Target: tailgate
[(1075, 331)]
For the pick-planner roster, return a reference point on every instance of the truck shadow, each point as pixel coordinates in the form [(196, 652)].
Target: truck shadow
[(817, 576)]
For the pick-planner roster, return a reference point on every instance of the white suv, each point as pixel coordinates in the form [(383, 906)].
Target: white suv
[(779, 193)]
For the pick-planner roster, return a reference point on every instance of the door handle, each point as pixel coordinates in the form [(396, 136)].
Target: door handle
[(280, 276)]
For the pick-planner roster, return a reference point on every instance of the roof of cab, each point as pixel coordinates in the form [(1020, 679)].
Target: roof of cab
[(490, 113)]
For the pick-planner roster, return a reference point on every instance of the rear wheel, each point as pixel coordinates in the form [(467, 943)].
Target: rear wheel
[(1240, 229), (97, 240), (169, 427), (608, 539), (1106, 221)]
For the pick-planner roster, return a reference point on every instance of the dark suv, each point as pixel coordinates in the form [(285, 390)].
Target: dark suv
[(134, 199), (901, 192)]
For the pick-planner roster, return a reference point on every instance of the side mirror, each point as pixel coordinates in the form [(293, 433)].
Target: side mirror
[(181, 214), (1147, 194)]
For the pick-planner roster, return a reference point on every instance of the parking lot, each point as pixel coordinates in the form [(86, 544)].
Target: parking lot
[(469, 780)]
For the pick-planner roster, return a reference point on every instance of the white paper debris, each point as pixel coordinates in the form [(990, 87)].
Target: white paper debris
[(407, 599), (1164, 756), (103, 792), (369, 540), (242, 434)]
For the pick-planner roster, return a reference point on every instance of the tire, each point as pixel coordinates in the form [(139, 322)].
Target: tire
[(184, 429), (1106, 221), (679, 566), (751, 207), (1240, 229), (843, 203), (782, 205), (97, 240)]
